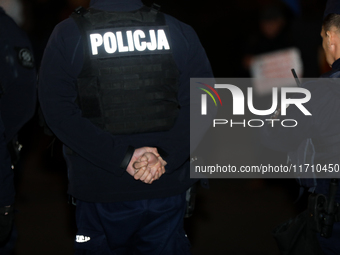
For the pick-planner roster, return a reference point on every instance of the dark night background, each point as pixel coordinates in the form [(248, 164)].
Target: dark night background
[(233, 217)]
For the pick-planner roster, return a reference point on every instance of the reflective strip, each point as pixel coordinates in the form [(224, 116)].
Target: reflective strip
[(128, 41)]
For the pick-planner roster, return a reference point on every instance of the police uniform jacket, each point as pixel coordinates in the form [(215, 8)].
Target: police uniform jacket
[(18, 95), (322, 127), (94, 165)]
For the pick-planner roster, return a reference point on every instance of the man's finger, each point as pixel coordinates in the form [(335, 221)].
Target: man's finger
[(138, 165), (154, 168), (159, 174), (144, 175), (139, 173), (148, 178), (142, 158)]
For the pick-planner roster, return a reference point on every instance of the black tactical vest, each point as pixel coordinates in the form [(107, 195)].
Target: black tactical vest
[(129, 81)]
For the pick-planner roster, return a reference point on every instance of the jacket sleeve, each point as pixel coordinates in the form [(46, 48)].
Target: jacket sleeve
[(61, 64)]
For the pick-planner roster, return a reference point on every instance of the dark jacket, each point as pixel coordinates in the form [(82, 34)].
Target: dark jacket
[(324, 124), (18, 94), (94, 171)]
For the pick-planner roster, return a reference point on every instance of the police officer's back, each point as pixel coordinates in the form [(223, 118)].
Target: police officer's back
[(116, 79)]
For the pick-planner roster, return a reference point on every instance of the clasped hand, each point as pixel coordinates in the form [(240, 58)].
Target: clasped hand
[(146, 165)]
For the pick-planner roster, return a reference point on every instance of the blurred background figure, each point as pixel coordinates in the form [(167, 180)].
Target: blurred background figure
[(272, 34), (268, 53), (17, 106)]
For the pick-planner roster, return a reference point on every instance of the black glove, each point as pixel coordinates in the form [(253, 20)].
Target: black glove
[(6, 223)]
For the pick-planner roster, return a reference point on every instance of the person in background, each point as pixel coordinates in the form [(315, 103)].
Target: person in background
[(318, 135), (17, 106)]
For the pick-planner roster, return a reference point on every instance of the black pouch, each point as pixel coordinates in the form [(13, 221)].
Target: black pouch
[(297, 237), (6, 224), (190, 198)]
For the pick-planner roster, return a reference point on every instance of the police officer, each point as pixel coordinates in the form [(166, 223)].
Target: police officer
[(17, 106), (316, 138), (114, 84)]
